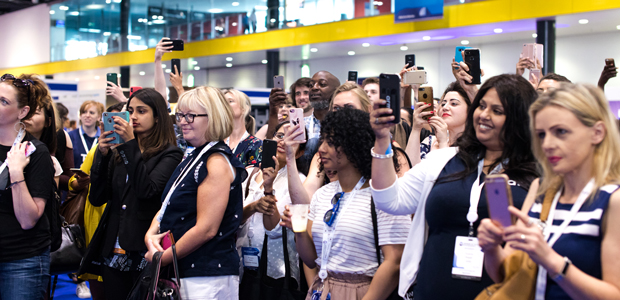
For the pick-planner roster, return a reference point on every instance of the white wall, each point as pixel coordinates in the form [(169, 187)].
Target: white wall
[(25, 37)]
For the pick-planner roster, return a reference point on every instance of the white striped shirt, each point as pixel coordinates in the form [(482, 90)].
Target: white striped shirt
[(353, 247)]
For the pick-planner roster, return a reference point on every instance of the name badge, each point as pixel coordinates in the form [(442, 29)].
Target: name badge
[(250, 257), (316, 295), (468, 259)]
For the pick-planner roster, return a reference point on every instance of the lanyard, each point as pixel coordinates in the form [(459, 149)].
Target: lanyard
[(18, 139), (243, 137), (474, 196), (251, 226), (541, 282), (328, 232), (180, 178), (84, 141)]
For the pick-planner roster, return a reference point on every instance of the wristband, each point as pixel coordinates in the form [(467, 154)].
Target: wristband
[(389, 153), (15, 183)]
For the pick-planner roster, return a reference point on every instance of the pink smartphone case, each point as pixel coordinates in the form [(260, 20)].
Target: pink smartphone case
[(297, 117)]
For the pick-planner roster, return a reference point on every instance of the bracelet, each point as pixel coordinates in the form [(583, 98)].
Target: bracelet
[(381, 156), (15, 183)]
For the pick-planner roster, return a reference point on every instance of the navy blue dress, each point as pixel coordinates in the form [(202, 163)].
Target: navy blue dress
[(446, 210)]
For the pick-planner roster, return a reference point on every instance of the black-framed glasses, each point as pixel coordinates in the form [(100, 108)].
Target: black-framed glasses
[(17, 82), (188, 117), (330, 215), (279, 135)]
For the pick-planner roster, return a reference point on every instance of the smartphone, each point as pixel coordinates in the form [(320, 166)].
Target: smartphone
[(177, 45), (79, 171), (472, 59), (410, 60), (269, 150), (610, 62), (389, 90), (415, 77), (458, 53), (499, 197), (167, 241), (533, 52), (296, 116), (425, 94), (134, 89), (352, 76), (420, 68), (112, 77), (175, 62), (30, 148), (535, 74), (278, 82), (108, 124)]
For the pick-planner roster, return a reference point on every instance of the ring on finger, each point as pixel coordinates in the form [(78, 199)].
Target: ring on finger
[(523, 237), (376, 120)]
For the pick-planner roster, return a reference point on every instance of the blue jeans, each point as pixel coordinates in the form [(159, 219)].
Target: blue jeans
[(25, 279)]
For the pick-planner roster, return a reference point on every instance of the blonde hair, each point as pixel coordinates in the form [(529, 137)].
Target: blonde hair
[(589, 105), (242, 99), (211, 100), (357, 90)]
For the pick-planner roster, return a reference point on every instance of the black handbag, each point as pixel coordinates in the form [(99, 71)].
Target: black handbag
[(153, 286), (68, 257), (373, 213), (256, 285)]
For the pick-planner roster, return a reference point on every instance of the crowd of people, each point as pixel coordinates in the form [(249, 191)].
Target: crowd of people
[(392, 205)]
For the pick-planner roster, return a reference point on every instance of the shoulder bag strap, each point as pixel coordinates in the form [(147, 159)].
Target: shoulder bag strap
[(373, 214), (262, 265), (546, 205), (176, 265), (287, 263), (247, 185)]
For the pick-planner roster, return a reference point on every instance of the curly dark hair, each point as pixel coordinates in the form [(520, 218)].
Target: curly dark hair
[(516, 95), (349, 131)]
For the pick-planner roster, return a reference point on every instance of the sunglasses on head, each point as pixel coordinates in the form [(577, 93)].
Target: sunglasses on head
[(17, 82), (330, 215)]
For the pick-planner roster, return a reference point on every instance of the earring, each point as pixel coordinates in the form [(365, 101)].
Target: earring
[(21, 126)]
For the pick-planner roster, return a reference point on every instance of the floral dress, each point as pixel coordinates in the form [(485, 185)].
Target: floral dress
[(425, 146), (249, 151)]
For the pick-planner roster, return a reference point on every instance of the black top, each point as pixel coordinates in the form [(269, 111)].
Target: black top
[(16, 243), (132, 188), (218, 256), (446, 210)]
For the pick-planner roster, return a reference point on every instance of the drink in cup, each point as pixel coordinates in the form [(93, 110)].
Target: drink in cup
[(299, 217)]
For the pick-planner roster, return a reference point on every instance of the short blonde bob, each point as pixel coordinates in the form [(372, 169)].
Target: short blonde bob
[(357, 90), (589, 105), (211, 101)]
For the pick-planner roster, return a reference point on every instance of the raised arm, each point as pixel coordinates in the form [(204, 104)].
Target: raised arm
[(162, 47)]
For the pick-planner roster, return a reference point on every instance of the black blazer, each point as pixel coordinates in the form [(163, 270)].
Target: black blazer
[(133, 189)]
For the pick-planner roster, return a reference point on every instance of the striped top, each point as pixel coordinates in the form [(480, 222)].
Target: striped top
[(353, 247), (581, 240)]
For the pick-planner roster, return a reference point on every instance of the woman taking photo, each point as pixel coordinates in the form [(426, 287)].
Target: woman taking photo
[(245, 147), (445, 191), (84, 137), (576, 141), (340, 214), (448, 122), (203, 202), (130, 178), (26, 184)]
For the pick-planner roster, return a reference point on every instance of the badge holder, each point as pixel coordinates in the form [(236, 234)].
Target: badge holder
[(250, 254)]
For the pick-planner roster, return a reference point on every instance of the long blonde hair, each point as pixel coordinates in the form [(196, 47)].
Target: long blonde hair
[(589, 105), (357, 90), (210, 99)]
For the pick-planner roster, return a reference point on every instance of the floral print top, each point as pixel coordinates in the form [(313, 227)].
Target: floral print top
[(425, 146), (249, 151)]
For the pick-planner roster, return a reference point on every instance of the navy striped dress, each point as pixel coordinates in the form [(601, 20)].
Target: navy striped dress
[(581, 240)]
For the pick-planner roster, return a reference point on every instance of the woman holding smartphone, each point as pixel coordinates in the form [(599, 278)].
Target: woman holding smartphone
[(576, 140), (130, 178), (203, 202), (26, 184), (341, 216), (84, 137), (246, 148), (445, 190)]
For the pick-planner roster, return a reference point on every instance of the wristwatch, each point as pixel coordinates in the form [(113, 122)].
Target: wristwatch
[(270, 193), (562, 274)]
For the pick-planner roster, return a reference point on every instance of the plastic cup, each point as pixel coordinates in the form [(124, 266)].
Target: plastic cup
[(299, 217)]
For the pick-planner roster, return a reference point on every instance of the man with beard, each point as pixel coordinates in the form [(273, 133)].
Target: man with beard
[(324, 84)]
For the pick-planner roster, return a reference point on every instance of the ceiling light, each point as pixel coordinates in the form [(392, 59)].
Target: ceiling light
[(134, 37), (377, 3), (96, 77), (264, 61), (314, 50), (215, 10), (52, 12), (142, 73), (534, 35), (229, 59), (404, 48), (583, 21), (163, 66), (272, 20), (168, 70), (426, 38), (160, 17), (497, 30), (154, 17), (235, 4), (228, 65), (234, 24), (464, 42), (107, 33), (117, 1), (63, 7), (94, 6), (462, 1), (158, 22), (194, 62), (304, 58), (77, 79), (196, 68), (119, 75), (260, 7), (351, 52), (366, 45), (108, 1), (74, 13), (618, 27)]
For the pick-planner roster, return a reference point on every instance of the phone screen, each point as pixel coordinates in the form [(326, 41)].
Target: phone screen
[(389, 90), (425, 94), (352, 76), (410, 60), (269, 150), (112, 77), (472, 59), (175, 63)]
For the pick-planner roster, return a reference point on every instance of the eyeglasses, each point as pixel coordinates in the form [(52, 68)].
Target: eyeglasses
[(188, 117), (20, 83), (330, 215), (279, 136)]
